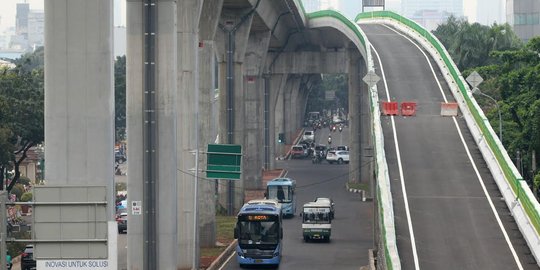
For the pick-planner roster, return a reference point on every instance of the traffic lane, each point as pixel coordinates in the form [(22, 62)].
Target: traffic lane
[(408, 74), (447, 188), (449, 209), (352, 228)]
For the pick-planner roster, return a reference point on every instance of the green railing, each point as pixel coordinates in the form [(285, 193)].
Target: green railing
[(512, 178)]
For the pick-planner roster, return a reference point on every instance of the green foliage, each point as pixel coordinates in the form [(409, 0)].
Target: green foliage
[(26, 197), (470, 45), (120, 98), (21, 111), (18, 190), (536, 181), (23, 180), (14, 249), (513, 79), (329, 82), (120, 187)]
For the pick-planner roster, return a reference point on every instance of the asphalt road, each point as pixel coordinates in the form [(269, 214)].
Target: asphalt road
[(352, 230), (451, 224)]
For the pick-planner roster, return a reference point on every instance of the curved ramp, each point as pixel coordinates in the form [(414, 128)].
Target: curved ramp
[(448, 208)]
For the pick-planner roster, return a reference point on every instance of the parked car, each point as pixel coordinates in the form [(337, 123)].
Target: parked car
[(119, 157), (337, 156), (298, 151), (327, 201), (27, 258), (121, 220), (342, 148), (309, 136)]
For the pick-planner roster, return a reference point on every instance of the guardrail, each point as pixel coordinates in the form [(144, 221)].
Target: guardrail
[(516, 193)]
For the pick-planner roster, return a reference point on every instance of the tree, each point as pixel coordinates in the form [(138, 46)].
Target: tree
[(22, 127), (120, 97)]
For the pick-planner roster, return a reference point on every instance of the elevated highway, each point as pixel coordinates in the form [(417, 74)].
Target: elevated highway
[(267, 56), (448, 211)]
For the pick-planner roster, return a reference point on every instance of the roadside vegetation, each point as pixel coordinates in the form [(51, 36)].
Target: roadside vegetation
[(511, 73), (224, 236)]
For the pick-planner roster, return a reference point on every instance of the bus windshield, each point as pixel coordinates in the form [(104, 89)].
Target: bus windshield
[(280, 193), (316, 215), (258, 229)]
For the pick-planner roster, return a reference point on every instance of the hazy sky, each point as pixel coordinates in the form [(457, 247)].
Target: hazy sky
[(8, 9)]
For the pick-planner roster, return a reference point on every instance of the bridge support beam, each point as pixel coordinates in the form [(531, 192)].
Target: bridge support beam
[(188, 14), (254, 105), (232, 39), (165, 68), (354, 115), (291, 93), (207, 133), (79, 108), (277, 89)]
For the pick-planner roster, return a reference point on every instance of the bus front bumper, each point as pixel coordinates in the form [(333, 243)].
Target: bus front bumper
[(246, 258)]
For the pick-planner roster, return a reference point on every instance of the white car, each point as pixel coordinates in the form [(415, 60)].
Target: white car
[(337, 156), (309, 136)]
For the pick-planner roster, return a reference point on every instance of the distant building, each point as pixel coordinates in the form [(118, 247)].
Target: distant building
[(431, 13), (21, 19), (524, 16), (36, 32), (490, 11)]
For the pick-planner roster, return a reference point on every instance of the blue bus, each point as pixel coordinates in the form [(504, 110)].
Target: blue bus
[(259, 232), (282, 190)]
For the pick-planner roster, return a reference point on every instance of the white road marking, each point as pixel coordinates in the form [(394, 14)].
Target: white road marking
[(403, 189), (479, 177), (227, 261)]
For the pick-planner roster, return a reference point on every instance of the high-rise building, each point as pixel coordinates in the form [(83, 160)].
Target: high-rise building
[(36, 24), (431, 13), (524, 16), (489, 12), (21, 19)]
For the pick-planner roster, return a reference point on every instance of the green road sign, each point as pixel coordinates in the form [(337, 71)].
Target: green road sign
[(224, 161)]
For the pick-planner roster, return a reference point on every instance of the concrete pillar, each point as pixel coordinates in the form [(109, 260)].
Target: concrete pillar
[(291, 108), (207, 132), (79, 95), (254, 104), (354, 115), (166, 95), (277, 89), (187, 129), (233, 27)]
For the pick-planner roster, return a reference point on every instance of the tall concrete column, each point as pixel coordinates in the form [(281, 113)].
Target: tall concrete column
[(234, 30), (290, 108), (165, 90), (188, 125), (354, 116), (79, 95), (254, 105), (277, 89), (207, 132)]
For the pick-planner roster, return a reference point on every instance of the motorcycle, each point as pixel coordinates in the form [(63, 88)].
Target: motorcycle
[(317, 159)]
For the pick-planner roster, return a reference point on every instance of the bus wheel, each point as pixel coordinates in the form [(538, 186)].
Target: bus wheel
[(306, 238)]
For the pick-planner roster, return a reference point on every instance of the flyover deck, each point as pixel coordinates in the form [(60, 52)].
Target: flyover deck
[(448, 210)]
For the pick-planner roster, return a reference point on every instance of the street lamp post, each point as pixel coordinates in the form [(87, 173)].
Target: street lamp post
[(477, 91)]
